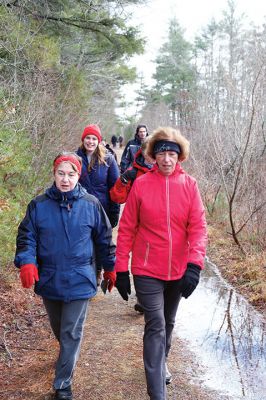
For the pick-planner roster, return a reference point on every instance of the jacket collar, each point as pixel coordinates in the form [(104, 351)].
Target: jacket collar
[(56, 194), (178, 170)]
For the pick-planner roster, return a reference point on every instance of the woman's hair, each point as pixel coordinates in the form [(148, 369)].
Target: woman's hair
[(169, 134), (71, 157), (144, 145), (98, 155)]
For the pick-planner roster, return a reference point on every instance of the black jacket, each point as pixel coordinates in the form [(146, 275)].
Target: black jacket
[(129, 153)]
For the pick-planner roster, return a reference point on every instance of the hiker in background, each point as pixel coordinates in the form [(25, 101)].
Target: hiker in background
[(120, 141), (163, 225), (141, 164), (114, 141), (99, 170), (132, 147), (63, 230), (99, 173)]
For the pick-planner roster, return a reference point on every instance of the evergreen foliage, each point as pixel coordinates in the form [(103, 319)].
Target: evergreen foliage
[(62, 63), (175, 76)]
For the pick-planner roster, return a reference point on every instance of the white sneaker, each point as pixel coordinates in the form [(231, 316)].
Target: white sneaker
[(168, 375)]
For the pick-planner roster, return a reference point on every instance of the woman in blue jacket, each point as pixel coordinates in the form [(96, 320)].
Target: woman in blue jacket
[(99, 170), (64, 233)]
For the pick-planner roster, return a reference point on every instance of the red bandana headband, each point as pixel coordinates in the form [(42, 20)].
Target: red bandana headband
[(70, 159)]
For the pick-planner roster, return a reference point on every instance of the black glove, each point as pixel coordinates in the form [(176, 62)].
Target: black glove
[(123, 284), (190, 279), (129, 175), (113, 218)]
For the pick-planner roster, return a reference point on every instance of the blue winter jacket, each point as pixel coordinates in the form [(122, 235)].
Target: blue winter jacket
[(100, 180), (65, 235)]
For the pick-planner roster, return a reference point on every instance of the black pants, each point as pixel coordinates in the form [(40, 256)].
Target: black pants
[(159, 300)]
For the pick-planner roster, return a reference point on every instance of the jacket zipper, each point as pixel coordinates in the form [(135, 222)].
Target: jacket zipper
[(147, 254), (169, 227)]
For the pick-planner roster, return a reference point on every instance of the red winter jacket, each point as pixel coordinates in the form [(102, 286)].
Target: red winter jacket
[(120, 191), (163, 225)]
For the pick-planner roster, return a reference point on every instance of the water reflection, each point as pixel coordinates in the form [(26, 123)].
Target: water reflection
[(228, 335)]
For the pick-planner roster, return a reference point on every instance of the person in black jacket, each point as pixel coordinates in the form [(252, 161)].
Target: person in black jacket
[(114, 141), (64, 233), (132, 147)]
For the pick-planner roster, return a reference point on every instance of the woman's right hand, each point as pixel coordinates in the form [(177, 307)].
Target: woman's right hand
[(28, 275)]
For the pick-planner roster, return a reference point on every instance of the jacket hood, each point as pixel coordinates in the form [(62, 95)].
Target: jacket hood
[(172, 135)]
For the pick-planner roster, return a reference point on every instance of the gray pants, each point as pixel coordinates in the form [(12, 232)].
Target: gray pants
[(67, 322), (159, 300)]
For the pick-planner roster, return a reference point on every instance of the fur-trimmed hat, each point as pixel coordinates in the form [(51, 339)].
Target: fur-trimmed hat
[(169, 134), (92, 130)]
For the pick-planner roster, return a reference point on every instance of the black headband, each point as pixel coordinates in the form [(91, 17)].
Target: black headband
[(166, 145)]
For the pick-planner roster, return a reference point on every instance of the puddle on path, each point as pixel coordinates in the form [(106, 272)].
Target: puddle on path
[(227, 335)]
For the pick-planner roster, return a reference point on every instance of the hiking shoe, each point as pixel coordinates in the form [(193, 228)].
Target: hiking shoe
[(168, 375), (63, 394), (138, 308)]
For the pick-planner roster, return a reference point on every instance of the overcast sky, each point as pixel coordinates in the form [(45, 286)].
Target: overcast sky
[(193, 15)]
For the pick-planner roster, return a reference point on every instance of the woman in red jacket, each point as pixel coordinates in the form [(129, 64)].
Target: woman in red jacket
[(163, 225)]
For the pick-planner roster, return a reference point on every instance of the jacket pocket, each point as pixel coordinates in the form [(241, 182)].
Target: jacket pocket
[(85, 277), (46, 275)]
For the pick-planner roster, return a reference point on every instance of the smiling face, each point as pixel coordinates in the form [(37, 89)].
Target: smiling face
[(66, 177), (166, 161), (90, 143)]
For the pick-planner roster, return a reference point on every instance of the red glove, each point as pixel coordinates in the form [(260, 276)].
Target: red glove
[(28, 275), (110, 277)]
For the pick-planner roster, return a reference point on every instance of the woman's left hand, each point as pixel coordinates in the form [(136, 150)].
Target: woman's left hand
[(190, 279)]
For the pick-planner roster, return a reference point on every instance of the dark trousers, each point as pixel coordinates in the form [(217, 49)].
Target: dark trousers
[(67, 322), (159, 300)]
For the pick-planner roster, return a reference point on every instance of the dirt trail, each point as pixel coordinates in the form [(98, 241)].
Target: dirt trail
[(110, 365)]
